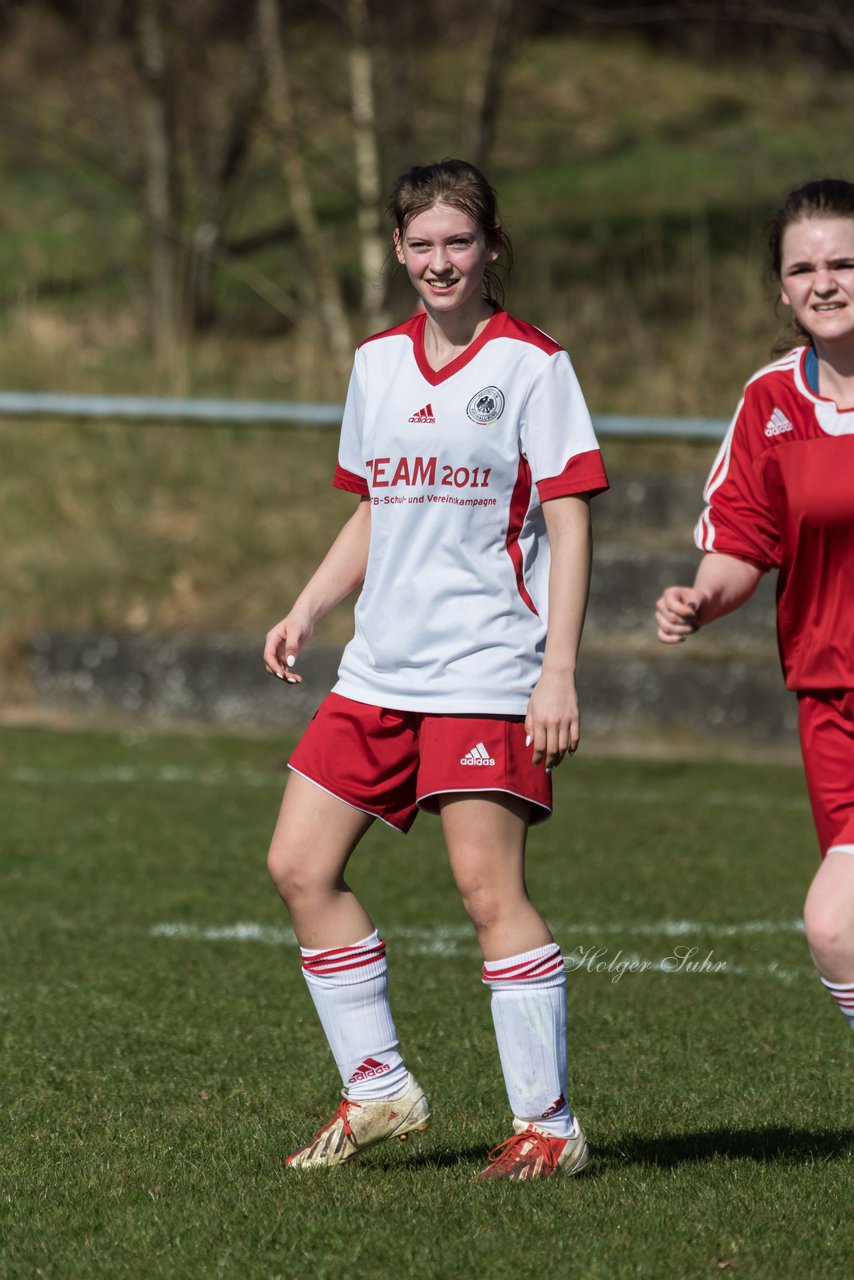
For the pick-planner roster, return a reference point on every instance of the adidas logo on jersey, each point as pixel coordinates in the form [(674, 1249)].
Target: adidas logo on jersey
[(777, 424), (368, 1070), (423, 415), (477, 756)]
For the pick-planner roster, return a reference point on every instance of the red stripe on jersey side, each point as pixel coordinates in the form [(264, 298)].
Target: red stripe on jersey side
[(352, 483), (518, 510), (585, 473)]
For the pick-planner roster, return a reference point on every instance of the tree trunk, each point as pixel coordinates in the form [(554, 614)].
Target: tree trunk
[(324, 279), (373, 246), (483, 99), (161, 200), (219, 185)]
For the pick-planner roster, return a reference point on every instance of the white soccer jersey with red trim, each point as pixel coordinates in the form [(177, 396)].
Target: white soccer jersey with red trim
[(781, 495), (456, 464)]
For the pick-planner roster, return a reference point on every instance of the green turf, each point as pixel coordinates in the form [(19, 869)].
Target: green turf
[(153, 1078)]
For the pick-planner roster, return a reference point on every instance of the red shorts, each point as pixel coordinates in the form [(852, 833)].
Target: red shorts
[(826, 725), (393, 763)]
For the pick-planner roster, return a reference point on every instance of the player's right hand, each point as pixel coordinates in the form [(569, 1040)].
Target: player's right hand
[(282, 647), (677, 613)]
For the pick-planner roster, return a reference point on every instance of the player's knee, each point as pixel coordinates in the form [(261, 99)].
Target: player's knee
[(829, 935), (277, 869), (484, 907), (291, 876)]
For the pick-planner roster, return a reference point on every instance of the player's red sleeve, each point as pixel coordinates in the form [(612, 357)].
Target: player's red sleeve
[(738, 519), (344, 479), (557, 436), (349, 473), (583, 473)]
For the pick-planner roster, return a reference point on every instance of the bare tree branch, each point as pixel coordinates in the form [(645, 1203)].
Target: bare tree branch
[(372, 245), (219, 184), (325, 281), (483, 99), (161, 186)]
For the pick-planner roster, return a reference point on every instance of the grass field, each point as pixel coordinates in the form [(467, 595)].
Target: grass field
[(160, 1053)]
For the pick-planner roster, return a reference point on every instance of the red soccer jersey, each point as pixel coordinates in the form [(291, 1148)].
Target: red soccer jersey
[(781, 495)]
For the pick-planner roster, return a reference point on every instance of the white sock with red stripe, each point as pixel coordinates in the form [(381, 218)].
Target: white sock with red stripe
[(843, 994), (529, 1013), (349, 987)]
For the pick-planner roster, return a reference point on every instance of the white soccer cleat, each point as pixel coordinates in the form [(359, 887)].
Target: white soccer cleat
[(532, 1152), (359, 1125)]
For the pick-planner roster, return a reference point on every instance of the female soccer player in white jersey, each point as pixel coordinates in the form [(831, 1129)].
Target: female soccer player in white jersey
[(781, 496), (468, 443)]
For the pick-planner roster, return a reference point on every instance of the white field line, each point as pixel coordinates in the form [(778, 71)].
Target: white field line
[(451, 942), (270, 935), (449, 933), (685, 928), (130, 775)]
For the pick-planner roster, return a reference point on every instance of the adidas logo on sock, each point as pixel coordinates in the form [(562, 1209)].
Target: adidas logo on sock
[(368, 1070), (423, 415), (477, 756), (558, 1105), (777, 424)]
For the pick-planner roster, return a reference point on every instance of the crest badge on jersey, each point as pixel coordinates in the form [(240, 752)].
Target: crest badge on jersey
[(486, 406)]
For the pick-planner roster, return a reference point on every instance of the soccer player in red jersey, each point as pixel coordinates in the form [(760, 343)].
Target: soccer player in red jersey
[(781, 496), (468, 443)]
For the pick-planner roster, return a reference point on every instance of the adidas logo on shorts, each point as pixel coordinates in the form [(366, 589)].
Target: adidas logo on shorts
[(777, 424), (368, 1070), (477, 756)]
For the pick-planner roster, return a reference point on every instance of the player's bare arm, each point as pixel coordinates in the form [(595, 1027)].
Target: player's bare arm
[(553, 720), (341, 570), (722, 584)]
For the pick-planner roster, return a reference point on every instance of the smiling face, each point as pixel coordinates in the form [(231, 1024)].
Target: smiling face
[(445, 253), (817, 277)]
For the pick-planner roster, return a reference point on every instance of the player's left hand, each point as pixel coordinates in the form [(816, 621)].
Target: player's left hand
[(553, 722), (677, 613)]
